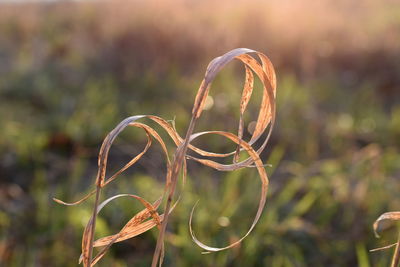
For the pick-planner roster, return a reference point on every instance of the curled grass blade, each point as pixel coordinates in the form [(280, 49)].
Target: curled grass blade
[(244, 101), (264, 181), (137, 219), (392, 216), (149, 218)]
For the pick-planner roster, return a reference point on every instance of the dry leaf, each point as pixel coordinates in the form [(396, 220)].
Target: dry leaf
[(393, 216), (149, 218)]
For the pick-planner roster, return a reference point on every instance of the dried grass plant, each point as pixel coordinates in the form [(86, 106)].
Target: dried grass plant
[(149, 217), (392, 216)]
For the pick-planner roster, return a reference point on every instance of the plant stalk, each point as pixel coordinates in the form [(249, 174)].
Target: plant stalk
[(93, 226), (176, 167), (396, 255)]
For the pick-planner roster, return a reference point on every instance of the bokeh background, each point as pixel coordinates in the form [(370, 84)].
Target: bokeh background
[(71, 70)]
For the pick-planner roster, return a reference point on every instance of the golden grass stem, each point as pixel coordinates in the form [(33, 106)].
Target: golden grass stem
[(396, 255), (93, 226), (176, 166)]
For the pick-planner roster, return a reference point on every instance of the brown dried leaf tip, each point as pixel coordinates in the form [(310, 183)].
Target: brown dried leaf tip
[(254, 63), (392, 216)]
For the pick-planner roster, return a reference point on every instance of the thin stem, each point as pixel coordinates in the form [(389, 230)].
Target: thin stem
[(93, 227), (396, 255), (176, 167)]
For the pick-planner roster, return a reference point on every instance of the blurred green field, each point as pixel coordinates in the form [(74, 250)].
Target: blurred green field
[(72, 70)]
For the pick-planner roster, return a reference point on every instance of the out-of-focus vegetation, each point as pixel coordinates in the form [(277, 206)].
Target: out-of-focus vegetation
[(70, 71)]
